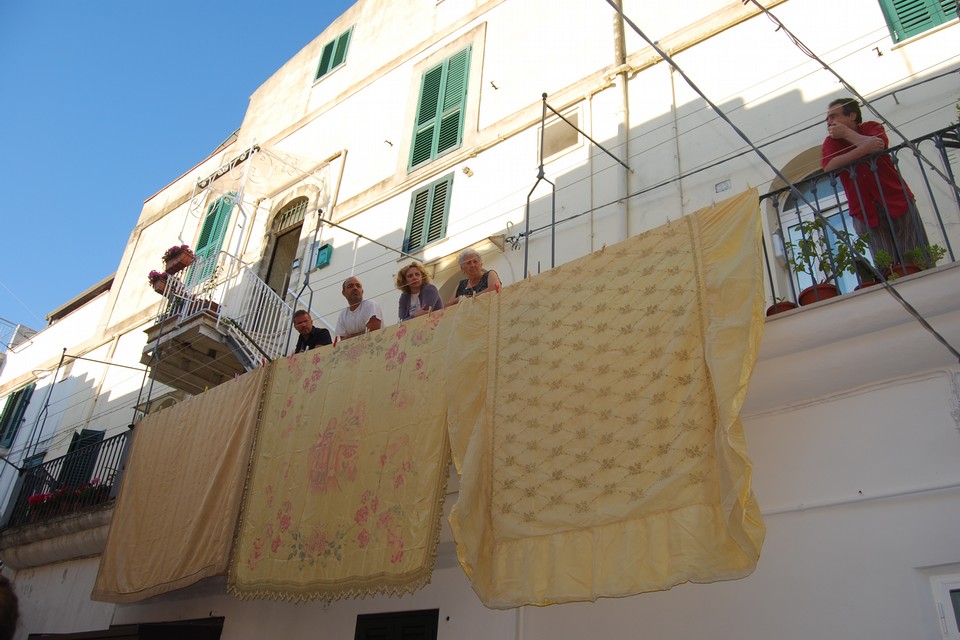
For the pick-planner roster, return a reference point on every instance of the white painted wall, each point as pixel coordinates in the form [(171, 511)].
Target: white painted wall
[(855, 473), (55, 598)]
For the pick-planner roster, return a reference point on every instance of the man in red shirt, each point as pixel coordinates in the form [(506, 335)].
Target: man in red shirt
[(876, 200)]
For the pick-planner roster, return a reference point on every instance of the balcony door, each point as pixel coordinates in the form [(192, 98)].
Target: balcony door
[(833, 206), (286, 231), (212, 234), (78, 468)]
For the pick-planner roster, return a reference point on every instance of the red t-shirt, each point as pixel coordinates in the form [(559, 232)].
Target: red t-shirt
[(864, 194)]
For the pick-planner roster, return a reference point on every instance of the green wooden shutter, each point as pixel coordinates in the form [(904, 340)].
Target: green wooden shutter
[(429, 207), (440, 107), (334, 54), (450, 132), (77, 469), (908, 18), (426, 116), (211, 239), (436, 226), (13, 414), (325, 58), (340, 51), (418, 214)]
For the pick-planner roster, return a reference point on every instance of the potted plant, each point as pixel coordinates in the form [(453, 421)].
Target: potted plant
[(177, 258), (925, 256), (867, 274), (158, 281), (892, 270), (780, 305), (814, 254)]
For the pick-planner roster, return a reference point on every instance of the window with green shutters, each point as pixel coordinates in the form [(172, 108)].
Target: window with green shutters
[(429, 207), (211, 239), (908, 18), (334, 54), (440, 108), (12, 414)]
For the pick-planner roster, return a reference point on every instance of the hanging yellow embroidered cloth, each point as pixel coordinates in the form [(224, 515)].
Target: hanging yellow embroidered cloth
[(597, 421), (346, 488), (176, 514)]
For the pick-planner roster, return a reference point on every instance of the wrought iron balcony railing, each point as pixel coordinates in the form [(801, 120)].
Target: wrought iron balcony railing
[(81, 480), (910, 235)]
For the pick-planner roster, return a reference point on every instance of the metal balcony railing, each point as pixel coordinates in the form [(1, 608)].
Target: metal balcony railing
[(801, 251), (79, 481), (256, 319)]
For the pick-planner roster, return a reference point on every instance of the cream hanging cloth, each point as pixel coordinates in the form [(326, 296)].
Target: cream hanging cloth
[(596, 420)]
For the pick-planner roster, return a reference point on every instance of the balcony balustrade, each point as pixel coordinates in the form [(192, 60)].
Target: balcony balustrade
[(219, 320), (803, 249), (79, 481)]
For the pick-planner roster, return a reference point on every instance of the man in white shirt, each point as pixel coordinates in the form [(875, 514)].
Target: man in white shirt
[(361, 316)]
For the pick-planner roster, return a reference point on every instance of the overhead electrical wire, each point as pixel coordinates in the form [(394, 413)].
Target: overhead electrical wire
[(800, 196)]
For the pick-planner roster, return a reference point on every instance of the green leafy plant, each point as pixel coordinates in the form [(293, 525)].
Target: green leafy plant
[(925, 256), (815, 254), (883, 261)]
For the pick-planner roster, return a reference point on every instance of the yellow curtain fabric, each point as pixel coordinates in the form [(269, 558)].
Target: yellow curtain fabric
[(346, 489), (596, 423), (176, 514)]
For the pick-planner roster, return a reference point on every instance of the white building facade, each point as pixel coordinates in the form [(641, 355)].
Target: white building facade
[(412, 130)]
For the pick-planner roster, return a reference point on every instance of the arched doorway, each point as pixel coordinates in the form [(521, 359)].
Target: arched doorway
[(286, 231)]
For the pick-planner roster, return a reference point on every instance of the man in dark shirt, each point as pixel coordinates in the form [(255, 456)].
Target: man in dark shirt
[(310, 336)]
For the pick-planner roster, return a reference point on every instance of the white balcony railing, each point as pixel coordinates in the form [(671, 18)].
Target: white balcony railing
[(252, 315)]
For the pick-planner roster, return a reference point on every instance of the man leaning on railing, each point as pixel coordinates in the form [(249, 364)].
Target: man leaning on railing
[(876, 202)]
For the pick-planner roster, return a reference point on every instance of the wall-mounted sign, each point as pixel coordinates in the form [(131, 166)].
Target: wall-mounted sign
[(323, 256)]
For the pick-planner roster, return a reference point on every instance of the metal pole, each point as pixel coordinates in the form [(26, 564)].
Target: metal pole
[(44, 411)]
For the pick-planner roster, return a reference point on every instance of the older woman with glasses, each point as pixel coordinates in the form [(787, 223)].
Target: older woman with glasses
[(478, 279)]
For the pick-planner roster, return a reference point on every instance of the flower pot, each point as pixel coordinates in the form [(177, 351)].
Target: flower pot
[(159, 285), (179, 262), (780, 307), (900, 270), (865, 284), (818, 292)]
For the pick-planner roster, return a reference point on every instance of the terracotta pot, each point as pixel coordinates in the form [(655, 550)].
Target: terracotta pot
[(780, 307), (818, 292), (178, 262), (865, 284), (159, 285), (902, 270)]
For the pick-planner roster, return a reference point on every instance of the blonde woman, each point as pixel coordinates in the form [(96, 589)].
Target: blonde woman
[(417, 296)]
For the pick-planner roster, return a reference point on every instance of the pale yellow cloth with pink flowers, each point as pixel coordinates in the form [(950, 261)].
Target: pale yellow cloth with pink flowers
[(597, 421), (346, 486)]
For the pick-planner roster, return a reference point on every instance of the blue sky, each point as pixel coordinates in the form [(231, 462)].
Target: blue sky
[(102, 104)]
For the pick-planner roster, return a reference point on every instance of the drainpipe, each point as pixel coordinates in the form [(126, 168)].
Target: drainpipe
[(623, 130)]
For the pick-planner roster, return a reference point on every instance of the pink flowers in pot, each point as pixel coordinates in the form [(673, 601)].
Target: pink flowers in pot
[(176, 250)]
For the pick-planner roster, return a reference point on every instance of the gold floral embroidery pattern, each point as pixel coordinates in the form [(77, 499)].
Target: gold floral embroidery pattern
[(599, 440), (614, 435)]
